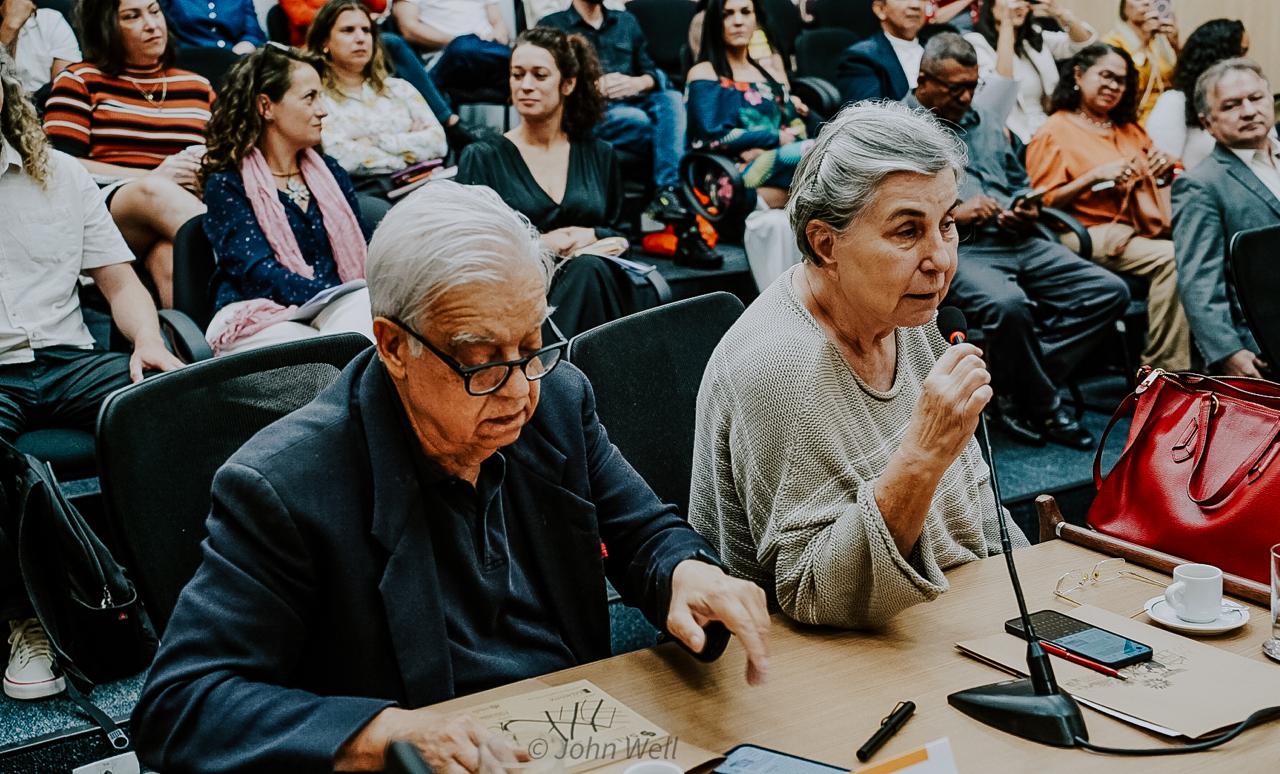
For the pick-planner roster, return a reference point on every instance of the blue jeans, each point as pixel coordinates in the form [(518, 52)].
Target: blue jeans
[(409, 67), (470, 64), (655, 119)]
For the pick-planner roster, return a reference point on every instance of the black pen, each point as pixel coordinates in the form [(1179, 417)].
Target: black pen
[(888, 727)]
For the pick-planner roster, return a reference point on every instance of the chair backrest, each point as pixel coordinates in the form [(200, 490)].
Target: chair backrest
[(645, 370), (161, 440), (665, 24), (193, 265), (818, 52), (278, 27), (855, 15), (1257, 285), (783, 17), (212, 63)]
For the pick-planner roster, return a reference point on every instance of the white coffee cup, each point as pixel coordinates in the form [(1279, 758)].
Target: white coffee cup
[(654, 767), (1196, 593)]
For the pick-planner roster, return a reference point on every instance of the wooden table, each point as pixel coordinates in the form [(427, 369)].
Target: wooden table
[(828, 690)]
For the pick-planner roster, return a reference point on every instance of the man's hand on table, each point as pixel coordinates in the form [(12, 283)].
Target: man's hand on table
[(450, 744), (701, 593)]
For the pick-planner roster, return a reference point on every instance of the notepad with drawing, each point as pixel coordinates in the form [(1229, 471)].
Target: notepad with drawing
[(1188, 689)]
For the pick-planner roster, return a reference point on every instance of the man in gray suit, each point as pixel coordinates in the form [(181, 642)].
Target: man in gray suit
[(1236, 188)]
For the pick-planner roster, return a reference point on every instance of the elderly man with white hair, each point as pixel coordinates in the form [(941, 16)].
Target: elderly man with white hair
[(439, 521)]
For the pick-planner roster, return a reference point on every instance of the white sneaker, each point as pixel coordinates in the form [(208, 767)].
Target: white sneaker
[(30, 673)]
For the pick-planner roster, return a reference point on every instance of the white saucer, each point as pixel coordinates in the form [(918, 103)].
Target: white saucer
[(1233, 616)]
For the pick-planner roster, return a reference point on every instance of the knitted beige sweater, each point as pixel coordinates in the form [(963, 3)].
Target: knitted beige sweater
[(788, 447)]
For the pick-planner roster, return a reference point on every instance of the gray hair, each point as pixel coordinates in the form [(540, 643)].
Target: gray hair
[(952, 46), (441, 237), (865, 143), (1208, 80)]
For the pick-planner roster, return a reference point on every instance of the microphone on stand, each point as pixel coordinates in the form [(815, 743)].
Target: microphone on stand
[(1033, 708)]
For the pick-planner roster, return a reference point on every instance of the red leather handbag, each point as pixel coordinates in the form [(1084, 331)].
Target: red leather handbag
[(1196, 478)]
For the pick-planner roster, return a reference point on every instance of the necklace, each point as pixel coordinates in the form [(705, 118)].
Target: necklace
[(1104, 125), (297, 191), (150, 96)]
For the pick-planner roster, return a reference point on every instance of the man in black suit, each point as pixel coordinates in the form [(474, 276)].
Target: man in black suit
[(887, 64), (1236, 188), (439, 521)]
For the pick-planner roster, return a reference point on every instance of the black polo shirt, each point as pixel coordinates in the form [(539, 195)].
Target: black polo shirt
[(499, 627)]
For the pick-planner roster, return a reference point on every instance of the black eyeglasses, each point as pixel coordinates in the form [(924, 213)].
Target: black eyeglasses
[(488, 378), (954, 89)]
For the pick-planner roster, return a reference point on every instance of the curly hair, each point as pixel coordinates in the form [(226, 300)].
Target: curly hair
[(237, 124), (1067, 94), (1211, 42), (575, 58), (98, 28), (20, 124), (375, 72)]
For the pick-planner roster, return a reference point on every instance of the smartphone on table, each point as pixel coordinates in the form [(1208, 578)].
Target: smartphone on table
[(1083, 639)]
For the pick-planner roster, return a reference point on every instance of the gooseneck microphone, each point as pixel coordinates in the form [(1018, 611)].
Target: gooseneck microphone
[(1032, 708)]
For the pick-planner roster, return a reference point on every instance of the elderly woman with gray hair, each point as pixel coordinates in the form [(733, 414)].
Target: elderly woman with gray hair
[(834, 460)]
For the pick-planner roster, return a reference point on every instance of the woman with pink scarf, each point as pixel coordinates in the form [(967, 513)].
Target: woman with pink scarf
[(282, 218)]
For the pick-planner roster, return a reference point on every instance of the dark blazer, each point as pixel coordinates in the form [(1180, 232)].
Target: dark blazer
[(317, 604), (1213, 201), (870, 70)]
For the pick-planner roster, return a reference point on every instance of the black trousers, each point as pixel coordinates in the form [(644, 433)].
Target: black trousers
[(585, 292), (1042, 308), (63, 387)]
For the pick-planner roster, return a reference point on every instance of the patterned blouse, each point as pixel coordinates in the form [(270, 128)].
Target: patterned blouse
[(734, 116), (247, 267), (372, 134)]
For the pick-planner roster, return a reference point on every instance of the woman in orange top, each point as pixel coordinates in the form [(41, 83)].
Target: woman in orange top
[(1093, 159)]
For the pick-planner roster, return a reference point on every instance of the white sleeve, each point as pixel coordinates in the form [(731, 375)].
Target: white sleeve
[(1167, 124), (58, 35), (103, 244)]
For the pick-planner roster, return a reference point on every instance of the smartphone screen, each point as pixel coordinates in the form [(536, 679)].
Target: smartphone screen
[(750, 759), (1102, 646)]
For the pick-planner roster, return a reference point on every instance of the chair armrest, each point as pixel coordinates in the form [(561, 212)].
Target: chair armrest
[(183, 337), (820, 95), (1053, 221)]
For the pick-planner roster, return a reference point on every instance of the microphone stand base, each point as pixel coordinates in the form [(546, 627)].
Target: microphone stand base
[(1014, 707)]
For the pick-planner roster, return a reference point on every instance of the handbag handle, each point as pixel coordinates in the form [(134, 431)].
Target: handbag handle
[(1121, 411), (1208, 406)]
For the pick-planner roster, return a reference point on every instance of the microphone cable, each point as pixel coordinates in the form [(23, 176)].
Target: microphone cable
[(1258, 718)]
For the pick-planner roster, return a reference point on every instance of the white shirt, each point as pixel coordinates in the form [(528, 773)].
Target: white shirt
[(45, 37), (909, 53), (48, 236), (1269, 174), (456, 17), (373, 134)]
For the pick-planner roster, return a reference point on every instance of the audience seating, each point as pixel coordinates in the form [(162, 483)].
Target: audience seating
[(1257, 283), (645, 370), (193, 264), (784, 24), (818, 52), (212, 63), (666, 28), (712, 185), (854, 15), (278, 27), (69, 451), (160, 442)]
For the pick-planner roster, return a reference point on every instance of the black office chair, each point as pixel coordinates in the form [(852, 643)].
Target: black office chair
[(1257, 285), (160, 442), (783, 17), (665, 24), (854, 15), (818, 52), (213, 63), (278, 29), (404, 758), (645, 370)]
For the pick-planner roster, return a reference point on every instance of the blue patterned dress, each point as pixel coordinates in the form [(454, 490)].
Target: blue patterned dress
[(730, 117)]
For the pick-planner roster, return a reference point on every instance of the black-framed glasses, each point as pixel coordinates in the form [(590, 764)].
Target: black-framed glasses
[(954, 89), (488, 378)]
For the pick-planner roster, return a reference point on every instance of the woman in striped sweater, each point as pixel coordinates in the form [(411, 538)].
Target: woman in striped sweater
[(137, 124)]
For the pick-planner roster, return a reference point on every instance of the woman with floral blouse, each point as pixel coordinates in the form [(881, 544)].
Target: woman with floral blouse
[(376, 125), (739, 108)]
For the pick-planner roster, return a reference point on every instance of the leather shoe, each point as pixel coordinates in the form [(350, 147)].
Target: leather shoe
[(1021, 430), (1061, 427)]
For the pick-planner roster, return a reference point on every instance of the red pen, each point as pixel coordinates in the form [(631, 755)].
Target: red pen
[(1067, 655)]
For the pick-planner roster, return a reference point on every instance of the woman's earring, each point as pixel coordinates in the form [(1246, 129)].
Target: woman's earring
[(1075, 87), (325, 50)]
